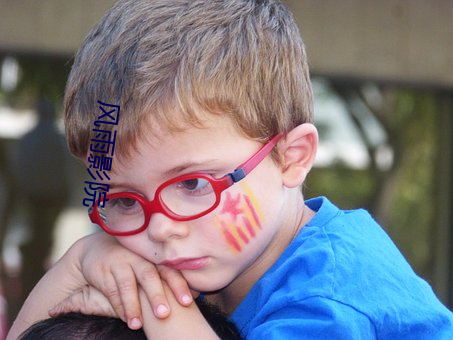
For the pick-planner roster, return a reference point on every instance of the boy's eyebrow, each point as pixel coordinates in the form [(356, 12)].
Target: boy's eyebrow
[(118, 185), (202, 165), (177, 170)]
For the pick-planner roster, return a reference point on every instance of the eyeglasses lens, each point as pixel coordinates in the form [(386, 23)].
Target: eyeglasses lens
[(189, 197), (122, 214), (186, 198)]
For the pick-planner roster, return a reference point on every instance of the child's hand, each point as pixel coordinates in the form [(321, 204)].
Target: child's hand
[(116, 272), (88, 301), (183, 323)]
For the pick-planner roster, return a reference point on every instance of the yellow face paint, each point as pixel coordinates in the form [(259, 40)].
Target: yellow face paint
[(240, 218)]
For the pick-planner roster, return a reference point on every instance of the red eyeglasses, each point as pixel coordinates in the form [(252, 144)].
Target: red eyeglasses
[(182, 198)]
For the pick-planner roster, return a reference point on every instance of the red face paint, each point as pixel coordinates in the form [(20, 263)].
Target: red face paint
[(231, 206), (239, 219)]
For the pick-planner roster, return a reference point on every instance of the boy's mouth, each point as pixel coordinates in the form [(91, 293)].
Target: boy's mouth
[(186, 263)]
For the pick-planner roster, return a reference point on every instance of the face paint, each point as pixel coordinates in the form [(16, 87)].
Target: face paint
[(240, 218), (231, 206)]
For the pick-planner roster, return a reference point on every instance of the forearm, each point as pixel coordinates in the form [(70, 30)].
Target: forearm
[(183, 322), (63, 279)]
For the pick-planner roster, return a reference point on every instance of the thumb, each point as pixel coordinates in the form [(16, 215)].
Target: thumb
[(88, 300)]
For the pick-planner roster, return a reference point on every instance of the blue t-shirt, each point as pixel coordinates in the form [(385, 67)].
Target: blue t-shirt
[(342, 278)]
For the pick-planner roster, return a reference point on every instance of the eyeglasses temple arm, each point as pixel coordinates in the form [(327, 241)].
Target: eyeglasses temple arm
[(245, 168)]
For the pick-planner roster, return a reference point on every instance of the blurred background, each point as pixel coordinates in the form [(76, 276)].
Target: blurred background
[(383, 79)]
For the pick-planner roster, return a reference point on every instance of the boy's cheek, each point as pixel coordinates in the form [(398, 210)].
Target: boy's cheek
[(135, 244), (240, 218)]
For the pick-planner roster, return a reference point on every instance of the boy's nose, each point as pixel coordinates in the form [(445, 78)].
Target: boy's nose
[(162, 228)]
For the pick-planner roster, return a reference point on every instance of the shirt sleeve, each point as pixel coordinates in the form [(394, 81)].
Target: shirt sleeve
[(314, 318)]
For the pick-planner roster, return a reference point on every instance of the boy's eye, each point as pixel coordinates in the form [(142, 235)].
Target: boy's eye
[(123, 204), (195, 186)]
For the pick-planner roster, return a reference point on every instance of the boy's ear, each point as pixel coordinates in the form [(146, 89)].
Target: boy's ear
[(298, 152)]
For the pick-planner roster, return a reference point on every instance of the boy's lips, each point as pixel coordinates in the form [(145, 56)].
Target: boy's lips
[(186, 263)]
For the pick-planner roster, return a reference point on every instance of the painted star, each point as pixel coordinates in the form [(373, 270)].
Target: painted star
[(231, 206)]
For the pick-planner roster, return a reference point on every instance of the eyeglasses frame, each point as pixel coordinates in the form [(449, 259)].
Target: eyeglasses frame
[(157, 206)]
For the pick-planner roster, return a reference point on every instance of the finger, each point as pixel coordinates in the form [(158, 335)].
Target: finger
[(128, 292), (177, 284), (151, 282), (86, 301), (111, 291)]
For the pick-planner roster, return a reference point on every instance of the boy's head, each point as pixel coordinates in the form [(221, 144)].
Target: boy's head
[(206, 90), (163, 62)]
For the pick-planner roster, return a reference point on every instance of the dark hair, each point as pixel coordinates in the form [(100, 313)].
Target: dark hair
[(75, 326)]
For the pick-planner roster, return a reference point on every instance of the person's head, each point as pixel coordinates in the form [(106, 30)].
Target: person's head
[(76, 326), (202, 85)]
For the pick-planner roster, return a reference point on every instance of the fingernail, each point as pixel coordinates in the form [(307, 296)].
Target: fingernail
[(135, 323), (162, 310), (186, 299)]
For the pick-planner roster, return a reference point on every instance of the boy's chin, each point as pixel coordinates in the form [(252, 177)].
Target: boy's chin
[(206, 285)]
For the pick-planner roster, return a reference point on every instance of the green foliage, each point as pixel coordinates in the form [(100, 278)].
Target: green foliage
[(402, 197), (412, 219), (347, 188)]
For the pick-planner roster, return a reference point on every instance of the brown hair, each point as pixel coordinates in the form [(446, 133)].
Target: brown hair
[(163, 61)]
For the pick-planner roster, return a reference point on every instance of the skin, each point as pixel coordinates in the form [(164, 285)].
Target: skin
[(240, 219), (228, 275), (99, 261), (92, 301)]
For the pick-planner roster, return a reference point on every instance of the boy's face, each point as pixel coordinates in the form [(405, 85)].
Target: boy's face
[(221, 246)]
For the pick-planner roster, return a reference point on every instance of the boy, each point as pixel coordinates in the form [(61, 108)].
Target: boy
[(214, 141)]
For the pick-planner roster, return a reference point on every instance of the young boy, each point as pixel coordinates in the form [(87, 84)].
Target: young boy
[(213, 144)]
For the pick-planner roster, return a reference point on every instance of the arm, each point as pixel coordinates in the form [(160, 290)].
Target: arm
[(117, 272), (183, 323), (63, 279), (99, 260)]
